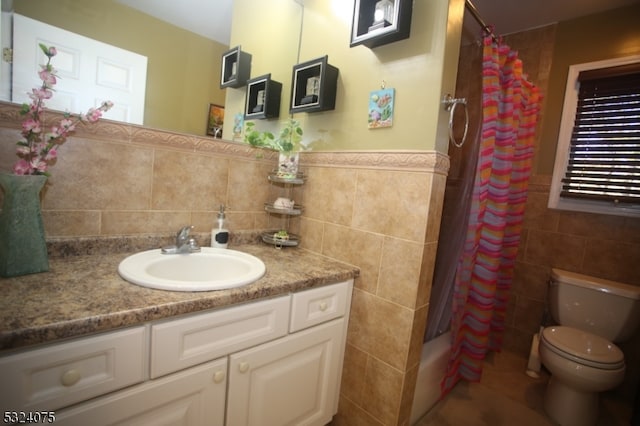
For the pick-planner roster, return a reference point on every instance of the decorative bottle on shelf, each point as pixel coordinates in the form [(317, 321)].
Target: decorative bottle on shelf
[(220, 235)]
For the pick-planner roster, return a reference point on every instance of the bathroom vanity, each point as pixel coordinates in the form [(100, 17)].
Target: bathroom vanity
[(270, 352)]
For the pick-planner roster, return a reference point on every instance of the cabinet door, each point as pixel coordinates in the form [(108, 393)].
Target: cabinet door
[(193, 397), (290, 381)]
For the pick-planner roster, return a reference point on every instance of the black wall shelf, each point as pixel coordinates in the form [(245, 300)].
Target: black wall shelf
[(263, 98), (364, 31), (236, 68), (313, 86)]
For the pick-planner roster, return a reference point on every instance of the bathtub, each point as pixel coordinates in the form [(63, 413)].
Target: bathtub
[(433, 364)]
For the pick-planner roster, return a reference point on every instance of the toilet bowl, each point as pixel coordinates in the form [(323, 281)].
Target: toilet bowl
[(579, 352), (581, 365)]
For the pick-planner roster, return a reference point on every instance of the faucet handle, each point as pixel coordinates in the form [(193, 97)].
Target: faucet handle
[(184, 244), (183, 233)]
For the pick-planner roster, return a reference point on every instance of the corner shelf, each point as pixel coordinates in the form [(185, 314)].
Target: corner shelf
[(364, 31), (236, 68), (296, 210), (313, 86), (284, 187), (263, 98)]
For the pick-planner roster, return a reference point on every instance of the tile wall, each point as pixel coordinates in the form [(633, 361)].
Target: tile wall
[(380, 212), (112, 179), (377, 210)]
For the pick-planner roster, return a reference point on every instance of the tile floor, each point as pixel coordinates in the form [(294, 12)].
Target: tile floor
[(507, 396)]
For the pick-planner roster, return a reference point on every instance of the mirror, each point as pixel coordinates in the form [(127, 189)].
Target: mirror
[(183, 71)]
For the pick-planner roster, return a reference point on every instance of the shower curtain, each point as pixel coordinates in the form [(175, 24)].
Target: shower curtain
[(510, 106)]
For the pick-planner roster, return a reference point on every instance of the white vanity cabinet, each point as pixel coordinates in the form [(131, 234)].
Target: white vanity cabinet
[(270, 362)]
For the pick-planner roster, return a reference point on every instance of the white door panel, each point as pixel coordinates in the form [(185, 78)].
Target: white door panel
[(5, 65), (89, 71)]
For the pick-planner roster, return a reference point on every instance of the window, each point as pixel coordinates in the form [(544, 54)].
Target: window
[(597, 167)]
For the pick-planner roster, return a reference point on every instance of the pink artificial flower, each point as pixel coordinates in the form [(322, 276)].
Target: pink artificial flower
[(93, 115), (22, 150), (40, 93), (39, 148), (55, 133), (67, 124), (60, 132), (52, 52), (39, 165), (51, 155), (31, 125), (21, 167), (47, 77)]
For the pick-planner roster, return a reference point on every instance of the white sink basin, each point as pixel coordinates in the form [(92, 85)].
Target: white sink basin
[(210, 269)]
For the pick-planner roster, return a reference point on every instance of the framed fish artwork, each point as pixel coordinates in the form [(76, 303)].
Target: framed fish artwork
[(381, 108)]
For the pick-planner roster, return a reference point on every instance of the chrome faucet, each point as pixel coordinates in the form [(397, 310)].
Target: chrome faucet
[(184, 243)]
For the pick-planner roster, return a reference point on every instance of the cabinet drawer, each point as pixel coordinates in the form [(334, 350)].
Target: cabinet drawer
[(312, 307), (65, 373), (199, 338)]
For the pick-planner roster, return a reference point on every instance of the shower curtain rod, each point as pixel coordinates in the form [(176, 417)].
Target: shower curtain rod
[(478, 18)]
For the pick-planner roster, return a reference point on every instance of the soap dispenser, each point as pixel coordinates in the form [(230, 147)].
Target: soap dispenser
[(220, 235)]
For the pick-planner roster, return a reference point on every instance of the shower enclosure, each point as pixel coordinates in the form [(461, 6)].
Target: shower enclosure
[(435, 351), (437, 339)]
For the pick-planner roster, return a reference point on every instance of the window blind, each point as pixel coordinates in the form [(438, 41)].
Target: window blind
[(604, 158)]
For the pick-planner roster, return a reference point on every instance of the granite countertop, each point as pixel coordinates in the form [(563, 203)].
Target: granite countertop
[(83, 294)]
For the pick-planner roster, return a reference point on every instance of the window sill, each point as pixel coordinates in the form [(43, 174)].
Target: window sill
[(597, 207)]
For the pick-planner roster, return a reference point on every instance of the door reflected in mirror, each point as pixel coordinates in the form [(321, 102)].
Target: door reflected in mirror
[(88, 72), (183, 68)]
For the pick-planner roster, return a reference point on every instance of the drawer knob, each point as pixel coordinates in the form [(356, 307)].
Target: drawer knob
[(218, 377), (243, 367), (70, 377), (323, 306)]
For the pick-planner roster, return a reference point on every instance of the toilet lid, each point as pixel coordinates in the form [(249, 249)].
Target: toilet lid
[(586, 348)]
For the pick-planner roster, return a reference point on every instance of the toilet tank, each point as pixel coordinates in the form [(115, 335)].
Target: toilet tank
[(607, 308)]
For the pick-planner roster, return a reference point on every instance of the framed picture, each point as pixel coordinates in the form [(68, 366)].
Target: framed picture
[(215, 120), (381, 108)]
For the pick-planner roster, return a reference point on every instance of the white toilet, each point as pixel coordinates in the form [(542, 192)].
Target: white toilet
[(580, 354)]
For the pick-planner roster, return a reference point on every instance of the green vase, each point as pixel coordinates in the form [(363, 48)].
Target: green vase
[(23, 249)]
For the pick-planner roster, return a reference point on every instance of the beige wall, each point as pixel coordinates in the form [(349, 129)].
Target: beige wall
[(606, 35), (270, 33), (178, 96), (415, 67)]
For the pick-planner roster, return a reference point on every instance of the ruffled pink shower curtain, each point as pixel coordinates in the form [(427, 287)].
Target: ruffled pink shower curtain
[(510, 106)]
